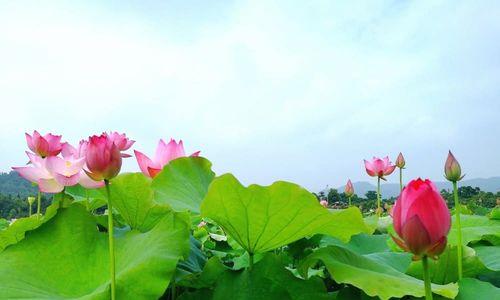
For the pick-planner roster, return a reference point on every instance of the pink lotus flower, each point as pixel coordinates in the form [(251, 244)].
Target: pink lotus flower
[(349, 189), (47, 145), (103, 157), (400, 161), (452, 169), (121, 141), (421, 219), (164, 154), (324, 203), (53, 173), (379, 167)]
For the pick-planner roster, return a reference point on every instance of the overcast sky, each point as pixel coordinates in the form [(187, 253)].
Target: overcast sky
[(268, 90)]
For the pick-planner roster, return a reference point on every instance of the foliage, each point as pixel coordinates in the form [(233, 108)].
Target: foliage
[(255, 242)]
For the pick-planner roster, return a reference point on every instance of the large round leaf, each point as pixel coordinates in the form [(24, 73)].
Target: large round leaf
[(133, 198), (183, 183), (490, 256), (474, 228), (373, 277), (262, 218), (473, 289), (16, 231), (68, 257), (267, 280)]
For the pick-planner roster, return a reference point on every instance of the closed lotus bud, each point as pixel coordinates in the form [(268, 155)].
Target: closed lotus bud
[(452, 170), (324, 203), (31, 200), (421, 219), (400, 161), (349, 189), (103, 158)]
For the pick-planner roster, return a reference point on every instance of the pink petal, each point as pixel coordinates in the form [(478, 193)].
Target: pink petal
[(153, 172), (389, 170), (50, 186), (29, 141), (67, 167), (196, 154), (29, 173), (144, 162), (68, 151), (88, 182), (67, 180), (369, 168)]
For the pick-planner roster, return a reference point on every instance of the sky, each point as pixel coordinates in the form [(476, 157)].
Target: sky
[(301, 91)]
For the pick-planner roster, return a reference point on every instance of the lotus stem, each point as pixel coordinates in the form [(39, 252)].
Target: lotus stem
[(400, 179), (350, 201), (39, 204), (427, 278), (459, 230), (378, 197), (29, 209), (250, 261), (173, 289), (111, 241)]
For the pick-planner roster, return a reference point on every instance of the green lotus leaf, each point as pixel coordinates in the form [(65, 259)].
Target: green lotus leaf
[(262, 218), (16, 231), (267, 280), (473, 289), (67, 257), (490, 256), (371, 276), (474, 228), (133, 197), (183, 183), (92, 199)]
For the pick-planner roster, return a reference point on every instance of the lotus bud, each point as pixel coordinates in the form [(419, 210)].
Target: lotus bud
[(400, 161), (452, 169)]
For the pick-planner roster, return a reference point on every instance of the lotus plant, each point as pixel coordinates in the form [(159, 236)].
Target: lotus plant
[(104, 161), (422, 222), (453, 173), (400, 163), (164, 154), (379, 168), (349, 190)]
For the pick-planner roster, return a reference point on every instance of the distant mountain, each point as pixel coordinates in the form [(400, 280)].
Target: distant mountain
[(491, 184), (13, 184)]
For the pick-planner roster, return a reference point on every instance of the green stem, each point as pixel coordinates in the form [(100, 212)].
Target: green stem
[(173, 287), (111, 241), (427, 278), (378, 197), (250, 261), (459, 231), (39, 204), (350, 201), (400, 179), (29, 209)]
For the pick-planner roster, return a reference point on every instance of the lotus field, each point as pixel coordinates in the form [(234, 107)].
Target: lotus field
[(177, 230)]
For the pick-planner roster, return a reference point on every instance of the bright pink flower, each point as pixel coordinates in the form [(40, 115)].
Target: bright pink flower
[(121, 141), (47, 145), (379, 167), (164, 154), (349, 189), (324, 203), (103, 158), (400, 161), (452, 170), (421, 219)]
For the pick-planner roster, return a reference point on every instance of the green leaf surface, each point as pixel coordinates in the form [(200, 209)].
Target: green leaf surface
[(473, 289), (490, 256), (267, 280), (473, 229), (133, 198), (373, 277), (92, 199), (68, 257), (183, 183), (16, 231), (262, 218), (3, 224), (444, 270)]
